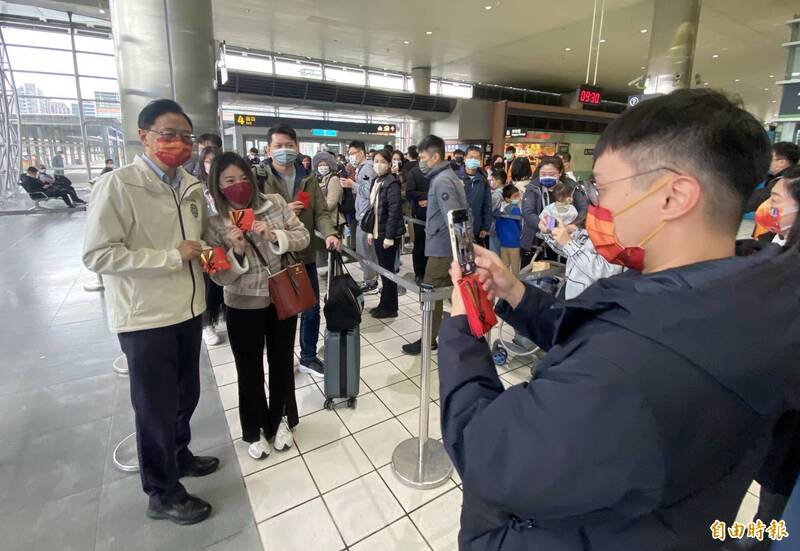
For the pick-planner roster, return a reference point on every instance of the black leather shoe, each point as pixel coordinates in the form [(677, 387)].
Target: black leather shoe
[(201, 466), (382, 314), (415, 348), (189, 511)]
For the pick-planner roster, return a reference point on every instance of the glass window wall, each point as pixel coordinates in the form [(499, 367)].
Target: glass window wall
[(68, 96)]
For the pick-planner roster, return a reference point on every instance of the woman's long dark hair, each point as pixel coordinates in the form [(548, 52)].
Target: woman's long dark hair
[(208, 151), (791, 181), (220, 164)]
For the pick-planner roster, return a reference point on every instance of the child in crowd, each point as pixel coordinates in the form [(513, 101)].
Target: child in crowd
[(497, 180), (584, 265), (561, 208), (509, 229)]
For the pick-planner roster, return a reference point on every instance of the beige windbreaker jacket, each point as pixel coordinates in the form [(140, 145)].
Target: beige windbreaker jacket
[(135, 223)]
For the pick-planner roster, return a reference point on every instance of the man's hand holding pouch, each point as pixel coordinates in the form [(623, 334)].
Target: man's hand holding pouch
[(214, 260), (479, 310)]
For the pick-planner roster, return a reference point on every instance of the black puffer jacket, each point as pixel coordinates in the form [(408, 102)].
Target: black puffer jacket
[(647, 419), (390, 208)]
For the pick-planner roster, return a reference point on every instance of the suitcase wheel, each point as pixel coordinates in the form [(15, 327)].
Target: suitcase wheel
[(328, 404), (351, 402), (499, 354)]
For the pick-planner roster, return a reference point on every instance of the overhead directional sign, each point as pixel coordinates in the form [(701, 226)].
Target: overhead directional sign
[(633, 101)]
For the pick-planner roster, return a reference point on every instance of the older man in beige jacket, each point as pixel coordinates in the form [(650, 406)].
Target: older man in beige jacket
[(143, 235)]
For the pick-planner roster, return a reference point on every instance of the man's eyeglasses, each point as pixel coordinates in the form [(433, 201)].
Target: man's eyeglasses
[(171, 135), (593, 194)]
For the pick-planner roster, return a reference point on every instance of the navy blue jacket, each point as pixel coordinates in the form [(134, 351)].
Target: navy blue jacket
[(479, 199), (647, 419)]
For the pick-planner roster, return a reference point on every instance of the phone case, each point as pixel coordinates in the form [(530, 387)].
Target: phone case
[(305, 198), (480, 312), (453, 239), (243, 219), (214, 260)]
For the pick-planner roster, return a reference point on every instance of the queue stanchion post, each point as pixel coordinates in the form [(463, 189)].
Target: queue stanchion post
[(419, 462), (120, 367), (422, 462)]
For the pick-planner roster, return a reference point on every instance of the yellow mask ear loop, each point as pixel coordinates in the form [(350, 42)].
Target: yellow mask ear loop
[(659, 227), (642, 198)]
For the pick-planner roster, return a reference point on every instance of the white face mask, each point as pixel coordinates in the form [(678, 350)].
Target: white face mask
[(353, 160), (380, 167), (323, 170)]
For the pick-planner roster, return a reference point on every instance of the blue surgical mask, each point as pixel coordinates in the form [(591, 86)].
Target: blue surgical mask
[(472, 164), (515, 202), (548, 181), (284, 156)]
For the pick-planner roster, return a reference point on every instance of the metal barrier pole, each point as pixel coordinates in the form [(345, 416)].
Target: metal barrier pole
[(120, 367), (421, 462)]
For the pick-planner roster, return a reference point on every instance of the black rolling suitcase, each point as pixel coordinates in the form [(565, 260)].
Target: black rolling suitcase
[(342, 335)]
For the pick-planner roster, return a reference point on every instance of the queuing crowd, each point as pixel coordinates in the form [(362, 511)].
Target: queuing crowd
[(641, 426)]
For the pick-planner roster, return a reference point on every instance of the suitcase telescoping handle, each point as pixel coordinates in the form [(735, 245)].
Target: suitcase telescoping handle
[(330, 273)]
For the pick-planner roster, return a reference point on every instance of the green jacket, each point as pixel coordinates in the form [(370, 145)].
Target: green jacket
[(314, 218)]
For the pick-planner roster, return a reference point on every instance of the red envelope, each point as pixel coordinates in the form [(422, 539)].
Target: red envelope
[(480, 312), (243, 219), (305, 198), (214, 260)]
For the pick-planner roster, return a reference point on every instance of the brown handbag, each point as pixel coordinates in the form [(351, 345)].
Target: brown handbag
[(290, 289)]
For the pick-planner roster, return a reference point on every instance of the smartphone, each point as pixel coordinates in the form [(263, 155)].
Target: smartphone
[(551, 223), (460, 223)]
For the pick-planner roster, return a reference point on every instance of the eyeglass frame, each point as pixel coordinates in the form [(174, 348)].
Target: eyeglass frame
[(593, 193), (188, 139)]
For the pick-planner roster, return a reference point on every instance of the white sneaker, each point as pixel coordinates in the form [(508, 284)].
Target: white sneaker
[(259, 449), (283, 438), (211, 336)]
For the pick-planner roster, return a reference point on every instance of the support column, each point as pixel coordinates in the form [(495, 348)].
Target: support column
[(422, 85), (165, 49), (672, 40)]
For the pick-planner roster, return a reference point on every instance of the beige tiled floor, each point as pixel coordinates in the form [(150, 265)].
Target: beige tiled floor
[(335, 488)]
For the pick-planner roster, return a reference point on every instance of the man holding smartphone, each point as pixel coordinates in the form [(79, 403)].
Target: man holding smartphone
[(445, 193), (658, 397)]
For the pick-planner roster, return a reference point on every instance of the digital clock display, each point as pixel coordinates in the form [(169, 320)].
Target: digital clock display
[(590, 95)]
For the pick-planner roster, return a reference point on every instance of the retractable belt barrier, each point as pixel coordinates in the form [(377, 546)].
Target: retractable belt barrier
[(418, 222), (418, 462)]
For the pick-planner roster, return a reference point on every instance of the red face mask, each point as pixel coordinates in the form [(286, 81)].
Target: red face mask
[(173, 153), (239, 192), (770, 217), (600, 225)]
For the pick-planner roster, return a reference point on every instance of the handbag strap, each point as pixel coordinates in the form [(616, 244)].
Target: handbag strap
[(258, 254)]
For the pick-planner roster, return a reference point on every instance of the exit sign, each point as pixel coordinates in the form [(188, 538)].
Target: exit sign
[(591, 95)]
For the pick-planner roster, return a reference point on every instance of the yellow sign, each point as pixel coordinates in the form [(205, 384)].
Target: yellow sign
[(245, 120)]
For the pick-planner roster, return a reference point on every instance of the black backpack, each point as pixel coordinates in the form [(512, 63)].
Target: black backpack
[(344, 303), (347, 204)]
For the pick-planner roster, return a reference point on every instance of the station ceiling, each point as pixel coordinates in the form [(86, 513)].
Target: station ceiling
[(526, 43)]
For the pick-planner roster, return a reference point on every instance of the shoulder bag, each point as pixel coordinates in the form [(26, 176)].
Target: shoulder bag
[(289, 289)]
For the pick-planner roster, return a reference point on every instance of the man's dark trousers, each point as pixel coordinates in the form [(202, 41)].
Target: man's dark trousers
[(163, 365)]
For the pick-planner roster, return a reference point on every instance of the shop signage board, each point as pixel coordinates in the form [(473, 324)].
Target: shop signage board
[(516, 132)]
